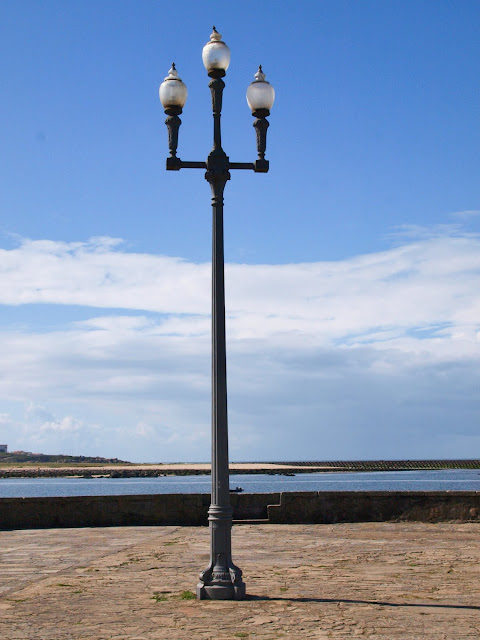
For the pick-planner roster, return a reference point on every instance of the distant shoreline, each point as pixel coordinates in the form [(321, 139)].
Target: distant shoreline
[(131, 470)]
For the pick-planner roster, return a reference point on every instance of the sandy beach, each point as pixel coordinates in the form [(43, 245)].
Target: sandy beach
[(32, 469)]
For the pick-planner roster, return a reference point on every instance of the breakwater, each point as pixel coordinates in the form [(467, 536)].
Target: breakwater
[(384, 465), (279, 508)]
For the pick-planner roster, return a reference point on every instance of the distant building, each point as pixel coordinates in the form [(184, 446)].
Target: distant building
[(3, 448)]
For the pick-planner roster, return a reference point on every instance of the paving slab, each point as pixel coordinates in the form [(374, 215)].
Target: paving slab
[(395, 581)]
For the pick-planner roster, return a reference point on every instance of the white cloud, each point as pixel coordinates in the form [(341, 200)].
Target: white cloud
[(378, 353), (420, 284), (66, 424), (95, 274)]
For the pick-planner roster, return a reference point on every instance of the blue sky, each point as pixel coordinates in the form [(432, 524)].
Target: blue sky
[(353, 305)]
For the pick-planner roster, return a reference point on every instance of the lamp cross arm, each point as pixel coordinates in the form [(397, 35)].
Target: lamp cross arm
[(175, 164)]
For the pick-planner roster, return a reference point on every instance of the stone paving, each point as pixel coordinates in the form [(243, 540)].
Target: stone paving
[(369, 580)]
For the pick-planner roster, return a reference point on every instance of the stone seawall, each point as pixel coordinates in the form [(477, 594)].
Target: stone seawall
[(285, 508), (118, 511), (329, 507)]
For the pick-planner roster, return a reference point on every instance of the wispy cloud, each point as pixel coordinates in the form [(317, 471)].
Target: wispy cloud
[(417, 285), (467, 214)]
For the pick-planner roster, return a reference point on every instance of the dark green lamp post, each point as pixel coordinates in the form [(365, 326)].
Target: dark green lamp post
[(221, 580)]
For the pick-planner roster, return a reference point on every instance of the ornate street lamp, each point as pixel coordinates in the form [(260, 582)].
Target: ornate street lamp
[(221, 580)]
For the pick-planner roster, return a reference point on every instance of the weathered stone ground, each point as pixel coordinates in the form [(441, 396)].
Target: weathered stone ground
[(370, 580)]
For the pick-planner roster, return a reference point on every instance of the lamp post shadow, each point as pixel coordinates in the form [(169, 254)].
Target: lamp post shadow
[(260, 598)]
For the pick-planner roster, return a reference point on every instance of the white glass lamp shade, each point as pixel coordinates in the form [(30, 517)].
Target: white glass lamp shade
[(173, 92), (260, 94), (216, 54)]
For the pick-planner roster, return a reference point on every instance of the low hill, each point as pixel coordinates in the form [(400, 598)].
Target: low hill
[(16, 457)]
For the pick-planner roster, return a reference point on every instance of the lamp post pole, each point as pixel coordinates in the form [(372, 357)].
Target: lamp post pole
[(221, 580)]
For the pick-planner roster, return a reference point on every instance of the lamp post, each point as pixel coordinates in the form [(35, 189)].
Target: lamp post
[(221, 580)]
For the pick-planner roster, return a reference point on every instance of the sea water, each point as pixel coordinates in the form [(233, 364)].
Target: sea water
[(445, 480)]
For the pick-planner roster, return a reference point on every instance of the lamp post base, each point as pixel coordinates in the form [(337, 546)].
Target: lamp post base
[(221, 591), (222, 579)]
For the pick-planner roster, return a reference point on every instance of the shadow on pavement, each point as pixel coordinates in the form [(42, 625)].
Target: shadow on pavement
[(377, 602)]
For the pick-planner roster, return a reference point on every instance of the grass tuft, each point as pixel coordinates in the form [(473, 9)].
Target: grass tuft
[(159, 597)]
